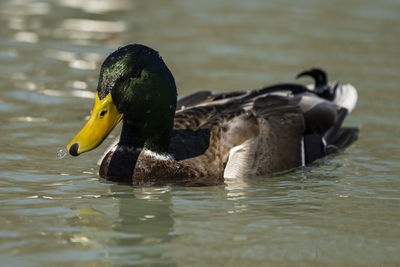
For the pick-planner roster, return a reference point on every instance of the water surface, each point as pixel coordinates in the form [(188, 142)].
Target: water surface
[(342, 210)]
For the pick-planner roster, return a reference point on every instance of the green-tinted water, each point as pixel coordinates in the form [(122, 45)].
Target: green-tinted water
[(341, 211)]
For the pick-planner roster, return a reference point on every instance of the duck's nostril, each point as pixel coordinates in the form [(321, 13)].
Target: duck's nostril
[(73, 150)]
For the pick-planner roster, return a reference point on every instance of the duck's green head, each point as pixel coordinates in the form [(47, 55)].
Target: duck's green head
[(134, 85)]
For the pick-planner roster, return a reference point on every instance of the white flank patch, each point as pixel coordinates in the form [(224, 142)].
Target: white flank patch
[(234, 168), (234, 149), (157, 155)]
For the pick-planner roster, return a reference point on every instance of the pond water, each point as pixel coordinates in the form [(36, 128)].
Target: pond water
[(342, 210)]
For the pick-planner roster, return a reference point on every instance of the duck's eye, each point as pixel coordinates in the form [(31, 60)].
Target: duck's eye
[(135, 74), (102, 113)]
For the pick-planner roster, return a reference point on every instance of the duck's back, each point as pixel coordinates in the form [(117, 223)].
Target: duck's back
[(261, 131)]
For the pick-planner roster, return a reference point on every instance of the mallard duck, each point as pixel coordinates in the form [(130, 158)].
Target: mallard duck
[(203, 138)]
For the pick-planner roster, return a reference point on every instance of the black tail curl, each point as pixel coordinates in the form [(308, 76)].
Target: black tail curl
[(321, 87), (319, 76)]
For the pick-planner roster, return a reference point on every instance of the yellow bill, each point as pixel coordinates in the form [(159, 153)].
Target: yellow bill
[(103, 119)]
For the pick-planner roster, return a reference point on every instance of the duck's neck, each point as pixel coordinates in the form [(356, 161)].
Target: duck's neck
[(132, 141), (120, 165), (157, 142), (130, 137)]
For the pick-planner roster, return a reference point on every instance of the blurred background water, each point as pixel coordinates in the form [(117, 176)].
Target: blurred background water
[(342, 210)]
